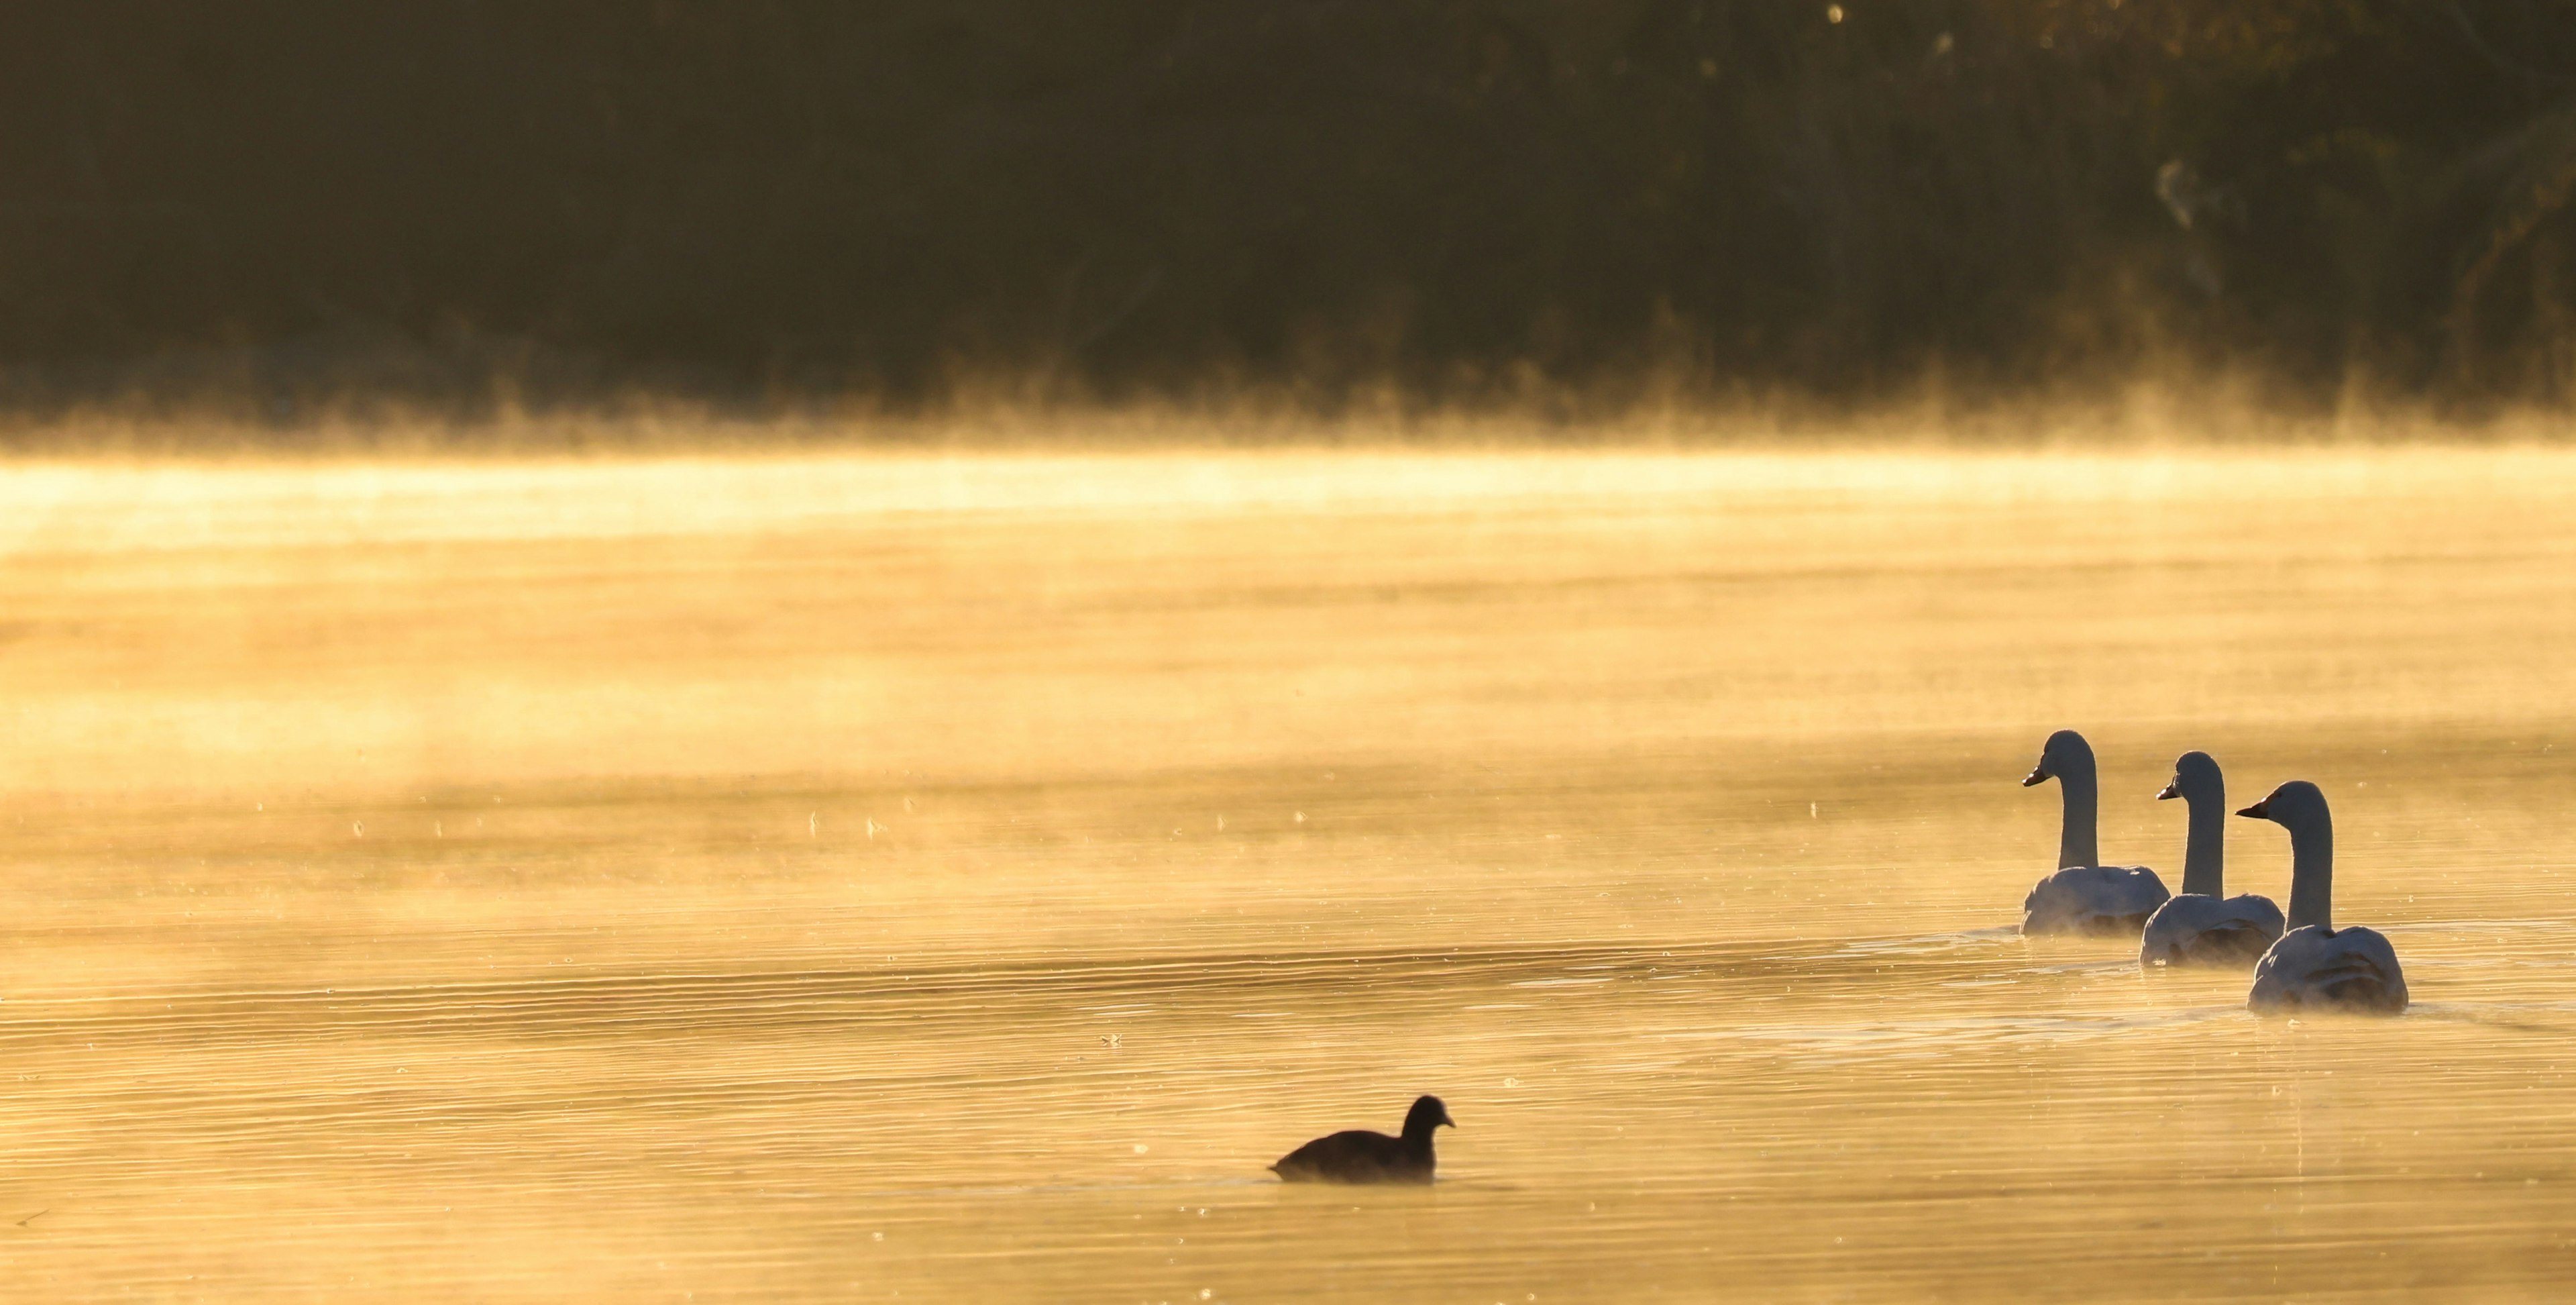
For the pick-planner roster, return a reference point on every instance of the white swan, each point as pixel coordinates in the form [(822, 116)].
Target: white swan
[(2201, 925), (2084, 897), (2316, 965)]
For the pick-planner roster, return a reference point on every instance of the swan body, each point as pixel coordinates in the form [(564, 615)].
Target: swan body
[(2198, 929), (2201, 925), (2101, 900), (2084, 896), (1361, 1156), (2316, 966)]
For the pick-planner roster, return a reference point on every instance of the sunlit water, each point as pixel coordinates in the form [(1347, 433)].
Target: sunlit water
[(852, 878)]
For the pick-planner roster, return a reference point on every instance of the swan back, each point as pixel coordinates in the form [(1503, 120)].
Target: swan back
[(2198, 929), (2100, 900), (2316, 968)]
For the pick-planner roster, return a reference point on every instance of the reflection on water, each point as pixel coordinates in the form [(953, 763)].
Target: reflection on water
[(959, 878)]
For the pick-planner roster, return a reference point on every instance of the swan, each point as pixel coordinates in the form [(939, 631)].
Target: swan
[(2316, 965), (1361, 1156), (2083, 896), (2201, 925)]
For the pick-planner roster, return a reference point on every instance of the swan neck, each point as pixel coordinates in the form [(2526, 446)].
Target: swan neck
[(2312, 876), (2075, 842), (2204, 852)]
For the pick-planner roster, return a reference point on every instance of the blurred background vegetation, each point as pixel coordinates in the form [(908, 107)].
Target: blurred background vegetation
[(463, 203)]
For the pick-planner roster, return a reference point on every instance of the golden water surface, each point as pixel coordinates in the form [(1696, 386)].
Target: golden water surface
[(910, 876)]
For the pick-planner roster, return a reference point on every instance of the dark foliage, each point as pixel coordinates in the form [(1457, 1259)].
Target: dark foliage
[(1127, 197)]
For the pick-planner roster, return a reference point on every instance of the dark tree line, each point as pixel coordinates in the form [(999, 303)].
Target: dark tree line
[(1454, 198)]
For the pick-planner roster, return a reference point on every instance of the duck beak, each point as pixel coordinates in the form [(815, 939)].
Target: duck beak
[(1445, 1119), (2037, 773), (2171, 791), (2259, 810)]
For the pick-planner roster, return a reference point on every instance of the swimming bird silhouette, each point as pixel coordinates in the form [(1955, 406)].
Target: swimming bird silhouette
[(2084, 896), (1360, 1156), (2201, 925), (2315, 965)]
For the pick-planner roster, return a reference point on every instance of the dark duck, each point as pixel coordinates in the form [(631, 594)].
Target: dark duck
[(1360, 1156)]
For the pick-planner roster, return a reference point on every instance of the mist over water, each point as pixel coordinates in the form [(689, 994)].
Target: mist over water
[(861, 876)]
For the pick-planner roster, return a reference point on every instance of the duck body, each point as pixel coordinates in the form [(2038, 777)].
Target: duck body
[(2317, 968), (1361, 1156), (2202, 925), (2084, 896), (1358, 1155), (2198, 929)]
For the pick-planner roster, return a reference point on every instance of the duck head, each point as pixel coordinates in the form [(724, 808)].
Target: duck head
[(2065, 752), (2195, 776), (1427, 1114)]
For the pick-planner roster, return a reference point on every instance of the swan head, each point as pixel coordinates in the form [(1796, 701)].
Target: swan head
[(2195, 776), (2065, 751), (2293, 806)]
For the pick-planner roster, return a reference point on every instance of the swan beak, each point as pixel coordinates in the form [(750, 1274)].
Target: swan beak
[(2259, 810), (2037, 773), (2171, 791)]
